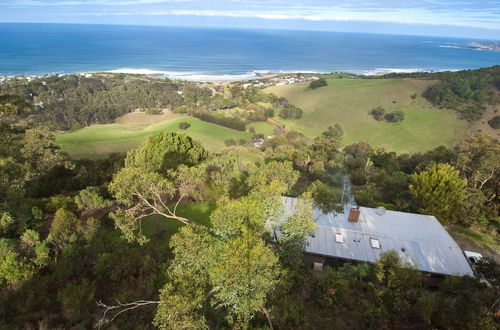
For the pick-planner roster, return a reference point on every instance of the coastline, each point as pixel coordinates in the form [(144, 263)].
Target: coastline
[(203, 77)]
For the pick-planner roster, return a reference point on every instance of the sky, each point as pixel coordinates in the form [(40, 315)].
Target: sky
[(457, 18)]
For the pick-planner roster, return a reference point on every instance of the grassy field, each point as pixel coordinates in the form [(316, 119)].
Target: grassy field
[(262, 127), (349, 101), (100, 140)]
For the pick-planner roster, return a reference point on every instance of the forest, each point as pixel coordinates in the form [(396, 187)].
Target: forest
[(173, 236)]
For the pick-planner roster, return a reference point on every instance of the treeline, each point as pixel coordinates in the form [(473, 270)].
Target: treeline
[(74, 101), (230, 122)]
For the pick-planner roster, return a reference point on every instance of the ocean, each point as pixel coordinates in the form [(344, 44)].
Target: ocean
[(223, 54)]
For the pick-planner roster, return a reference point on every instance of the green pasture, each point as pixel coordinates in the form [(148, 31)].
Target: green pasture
[(349, 101), (100, 140)]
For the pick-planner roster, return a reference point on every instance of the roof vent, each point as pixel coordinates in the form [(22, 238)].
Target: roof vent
[(380, 210)]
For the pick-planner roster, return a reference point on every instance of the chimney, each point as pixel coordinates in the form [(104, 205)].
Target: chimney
[(354, 214)]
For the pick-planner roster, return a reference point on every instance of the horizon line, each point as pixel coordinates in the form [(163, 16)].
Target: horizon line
[(222, 27)]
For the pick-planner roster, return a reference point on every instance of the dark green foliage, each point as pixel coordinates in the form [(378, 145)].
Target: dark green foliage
[(12, 105), (321, 82), (389, 294), (378, 113), (465, 91), (291, 112), (166, 151), (230, 122), (335, 132), (230, 142), (269, 112), (74, 101), (184, 125), (394, 117), (495, 122)]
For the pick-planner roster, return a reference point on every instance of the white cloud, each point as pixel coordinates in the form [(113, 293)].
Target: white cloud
[(477, 13)]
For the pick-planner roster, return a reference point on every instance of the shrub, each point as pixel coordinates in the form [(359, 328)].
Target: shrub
[(321, 82), (184, 125), (230, 142), (495, 122), (150, 111), (394, 117), (378, 113), (291, 112), (269, 112)]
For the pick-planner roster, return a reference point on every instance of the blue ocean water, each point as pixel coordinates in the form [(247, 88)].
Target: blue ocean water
[(206, 54)]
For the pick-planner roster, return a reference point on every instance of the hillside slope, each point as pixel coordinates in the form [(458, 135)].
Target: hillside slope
[(349, 101), (100, 140)]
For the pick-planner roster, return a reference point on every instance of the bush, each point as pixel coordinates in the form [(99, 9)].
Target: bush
[(291, 112), (269, 112), (495, 122), (230, 142), (321, 82), (150, 111), (394, 117), (378, 113), (184, 125)]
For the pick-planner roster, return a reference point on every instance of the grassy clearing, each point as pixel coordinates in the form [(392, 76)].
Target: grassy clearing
[(262, 127), (478, 236), (349, 101), (159, 229), (100, 140)]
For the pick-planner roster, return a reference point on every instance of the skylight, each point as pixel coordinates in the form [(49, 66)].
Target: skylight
[(339, 238), (375, 243)]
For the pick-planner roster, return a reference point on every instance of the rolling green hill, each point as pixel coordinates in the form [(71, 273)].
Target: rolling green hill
[(100, 140), (349, 101)]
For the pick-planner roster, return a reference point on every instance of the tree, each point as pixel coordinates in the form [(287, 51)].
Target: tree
[(321, 82), (378, 113), (12, 180), (14, 269), (395, 116), (326, 197), (478, 159), (64, 228), (291, 112), (494, 122), (294, 231), (439, 191), (40, 152), (166, 151), (141, 194), (184, 125), (245, 272), (89, 200), (335, 132)]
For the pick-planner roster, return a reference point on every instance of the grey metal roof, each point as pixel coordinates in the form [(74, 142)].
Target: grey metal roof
[(426, 244)]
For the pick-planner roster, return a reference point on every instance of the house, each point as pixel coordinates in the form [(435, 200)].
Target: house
[(363, 234)]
